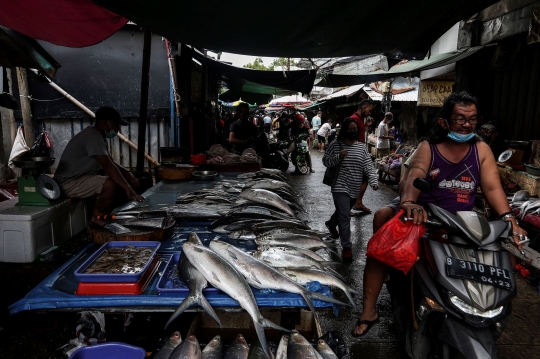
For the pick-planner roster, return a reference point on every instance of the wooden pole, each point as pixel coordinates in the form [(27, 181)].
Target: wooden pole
[(25, 106), (143, 107)]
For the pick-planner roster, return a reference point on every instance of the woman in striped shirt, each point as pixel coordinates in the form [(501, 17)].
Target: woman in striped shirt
[(355, 162)]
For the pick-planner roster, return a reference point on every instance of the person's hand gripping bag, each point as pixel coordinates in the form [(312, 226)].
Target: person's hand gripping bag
[(397, 244)]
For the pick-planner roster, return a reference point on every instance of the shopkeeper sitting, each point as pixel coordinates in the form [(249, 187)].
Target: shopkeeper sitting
[(242, 130), (86, 157)]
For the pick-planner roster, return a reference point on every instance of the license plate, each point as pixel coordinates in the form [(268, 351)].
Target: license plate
[(478, 272)]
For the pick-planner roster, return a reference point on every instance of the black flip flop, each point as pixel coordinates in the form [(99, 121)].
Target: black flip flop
[(362, 209), (369, 323)]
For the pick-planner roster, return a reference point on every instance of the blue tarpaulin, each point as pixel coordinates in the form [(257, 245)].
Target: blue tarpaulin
[(57, 290)]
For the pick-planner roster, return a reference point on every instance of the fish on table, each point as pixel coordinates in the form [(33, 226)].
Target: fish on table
[(256, 351), (270, 225), (188, 349), (325, 351), (300, 348), (267, 197), (168, 347), (262, 276), (281, 352), (238, 349), (214, 350), (225, 277), (195, 282)]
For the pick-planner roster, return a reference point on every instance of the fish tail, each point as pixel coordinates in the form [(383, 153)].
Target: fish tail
[(269, 324), (259, 328), (186, 303), (306, 295), (351, 299), (324, 298), (208, 309), (336, 274)]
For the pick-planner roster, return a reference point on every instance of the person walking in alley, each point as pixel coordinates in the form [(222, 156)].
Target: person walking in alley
[(362, 113), (322, 134), (356, 164), (383, 138), (315, 125), (267, 122)]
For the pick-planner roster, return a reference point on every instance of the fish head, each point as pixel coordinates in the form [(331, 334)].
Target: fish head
[(219, 246), (192, 340), (194, 238), (176, 338), (241, 340)]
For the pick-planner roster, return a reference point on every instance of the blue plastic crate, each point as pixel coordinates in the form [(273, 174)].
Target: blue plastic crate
[(115, 278), (171, 285), (110, 350)]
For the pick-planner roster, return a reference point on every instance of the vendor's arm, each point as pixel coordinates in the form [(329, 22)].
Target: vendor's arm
[(418, 167), (492, 189), (128, 176), (234, 139), (114, 173)]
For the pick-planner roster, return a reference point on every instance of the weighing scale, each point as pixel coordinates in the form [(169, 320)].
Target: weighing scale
[(34, 186)]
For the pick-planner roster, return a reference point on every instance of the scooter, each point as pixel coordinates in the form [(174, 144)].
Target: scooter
[(456, 300), (298, 155)]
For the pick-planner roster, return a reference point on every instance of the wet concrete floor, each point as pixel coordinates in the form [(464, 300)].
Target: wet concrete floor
[(520, 340)]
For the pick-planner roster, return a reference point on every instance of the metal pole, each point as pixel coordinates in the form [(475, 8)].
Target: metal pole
[(24, 93), (143, 107)]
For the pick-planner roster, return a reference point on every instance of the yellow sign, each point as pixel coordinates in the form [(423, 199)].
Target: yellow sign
[(433, 93)]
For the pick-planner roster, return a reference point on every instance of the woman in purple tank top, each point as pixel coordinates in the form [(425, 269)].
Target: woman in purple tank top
[(456, 163)]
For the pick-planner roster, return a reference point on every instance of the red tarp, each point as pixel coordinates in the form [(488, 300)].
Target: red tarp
[(73, 23)]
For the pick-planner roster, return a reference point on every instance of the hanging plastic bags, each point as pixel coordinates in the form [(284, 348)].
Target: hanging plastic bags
[(397, 244), (19, 147)]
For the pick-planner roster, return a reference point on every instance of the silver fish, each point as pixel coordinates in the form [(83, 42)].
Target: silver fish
[(270, 225), (301, 252), (221, 229), (238, 349), (532, 205), (325, 351), (301, 232), (188, 349), (168, 347), (256, 351), (300, 348), (263, 276), (282, 347), (268, 184), (225, 277), (520, 196), (298, 242), (303, 276), (247, 175), (214, 349), (196, 282), (267, 197), (244, 234)]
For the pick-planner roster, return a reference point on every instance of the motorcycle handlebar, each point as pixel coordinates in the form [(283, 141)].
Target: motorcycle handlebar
[(429, 221)]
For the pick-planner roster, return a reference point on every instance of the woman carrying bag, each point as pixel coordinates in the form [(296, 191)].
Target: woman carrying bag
[(347, 160)]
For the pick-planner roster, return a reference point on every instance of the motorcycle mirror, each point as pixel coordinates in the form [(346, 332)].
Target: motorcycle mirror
[(422, 184)]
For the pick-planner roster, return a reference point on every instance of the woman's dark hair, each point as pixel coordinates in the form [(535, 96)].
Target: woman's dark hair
[(439, 134), (344, 126)]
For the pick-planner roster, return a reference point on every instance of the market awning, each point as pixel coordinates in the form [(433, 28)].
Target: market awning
[(73, 23), (314, 104), (250, 97), (349, 91), (257, 81), (402, 70), (327, 28), (22, 51)]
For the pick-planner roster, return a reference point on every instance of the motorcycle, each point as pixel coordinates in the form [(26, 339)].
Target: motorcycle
[(298, 155), (273, 154), (456, 300)]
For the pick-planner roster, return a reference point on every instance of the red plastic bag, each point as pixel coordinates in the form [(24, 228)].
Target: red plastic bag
[(397, 244)]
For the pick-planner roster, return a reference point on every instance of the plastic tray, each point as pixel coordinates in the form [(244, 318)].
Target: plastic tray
[(114, 278), (110, 350), (120, 288), (170, 285)]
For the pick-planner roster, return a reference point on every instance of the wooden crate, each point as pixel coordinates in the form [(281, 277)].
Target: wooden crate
[(239, 322), (526, 181)]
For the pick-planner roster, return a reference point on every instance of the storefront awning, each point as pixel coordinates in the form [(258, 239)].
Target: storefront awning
[(257, 81), (402, 70), (21, 51), (73, 23), (326, 28)]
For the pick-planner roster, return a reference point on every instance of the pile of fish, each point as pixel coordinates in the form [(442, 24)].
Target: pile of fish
[(234, 272), (124, 260), (525, 204), (293, 346)]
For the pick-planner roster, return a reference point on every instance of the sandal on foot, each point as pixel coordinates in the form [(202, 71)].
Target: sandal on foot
[(369, 323)]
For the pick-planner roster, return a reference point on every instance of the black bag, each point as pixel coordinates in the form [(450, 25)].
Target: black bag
[(336, 343), (331, 173)]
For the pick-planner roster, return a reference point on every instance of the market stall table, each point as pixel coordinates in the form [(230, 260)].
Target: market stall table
[(56, 292)]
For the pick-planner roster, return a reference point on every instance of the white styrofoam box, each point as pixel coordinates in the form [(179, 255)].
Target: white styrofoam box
[(26, 231)]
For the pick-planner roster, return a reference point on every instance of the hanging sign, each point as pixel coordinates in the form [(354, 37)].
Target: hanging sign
[(433, 93)]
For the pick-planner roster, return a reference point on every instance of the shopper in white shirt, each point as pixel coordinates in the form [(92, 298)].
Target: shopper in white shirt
[(322, 134), (383, 139)]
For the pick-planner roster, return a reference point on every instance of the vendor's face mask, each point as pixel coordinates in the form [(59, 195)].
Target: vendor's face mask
[(352, 135), (458, 137), (111, 133)]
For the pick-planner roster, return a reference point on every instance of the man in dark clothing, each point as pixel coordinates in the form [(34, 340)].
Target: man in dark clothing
[(363, 111), (298, 126), (242, 129)]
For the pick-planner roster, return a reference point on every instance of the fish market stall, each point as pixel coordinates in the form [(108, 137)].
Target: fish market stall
[(158, 288)]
